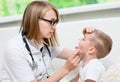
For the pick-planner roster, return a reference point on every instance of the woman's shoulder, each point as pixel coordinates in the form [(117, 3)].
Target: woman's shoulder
[(56, 47), (14, 43), (15, 47)]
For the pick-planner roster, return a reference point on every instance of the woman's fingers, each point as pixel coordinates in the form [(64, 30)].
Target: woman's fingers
[(73, 61), (89, 30), (76, 60), (75, 54)]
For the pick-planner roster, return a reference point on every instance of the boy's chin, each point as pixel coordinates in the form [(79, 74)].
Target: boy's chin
[(82, 58)]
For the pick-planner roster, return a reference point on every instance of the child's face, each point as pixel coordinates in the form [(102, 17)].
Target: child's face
[(84, 44)]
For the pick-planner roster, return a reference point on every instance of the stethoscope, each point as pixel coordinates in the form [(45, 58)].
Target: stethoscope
[(34, 64)]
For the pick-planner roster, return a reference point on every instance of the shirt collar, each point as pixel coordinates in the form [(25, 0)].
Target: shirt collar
[(33, 48)]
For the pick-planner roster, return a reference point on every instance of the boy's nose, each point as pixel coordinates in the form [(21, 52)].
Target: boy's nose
[(76, 47)]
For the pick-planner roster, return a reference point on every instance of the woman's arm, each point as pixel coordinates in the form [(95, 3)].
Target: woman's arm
[(66, 53), (55, 77), (75, 79), (88, 80), (69, 65)]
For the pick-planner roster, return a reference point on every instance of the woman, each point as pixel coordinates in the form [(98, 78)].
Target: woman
[(28, 56)]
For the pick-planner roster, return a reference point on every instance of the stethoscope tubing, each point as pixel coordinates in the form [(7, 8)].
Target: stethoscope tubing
[(34, 64)]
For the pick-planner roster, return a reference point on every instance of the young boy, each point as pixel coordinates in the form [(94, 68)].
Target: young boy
[(92, 47)]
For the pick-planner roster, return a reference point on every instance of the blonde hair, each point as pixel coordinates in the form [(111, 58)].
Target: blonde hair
[(102, 42), (30, 25)]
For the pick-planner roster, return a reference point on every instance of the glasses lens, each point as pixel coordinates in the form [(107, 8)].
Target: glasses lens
[(52, 22)]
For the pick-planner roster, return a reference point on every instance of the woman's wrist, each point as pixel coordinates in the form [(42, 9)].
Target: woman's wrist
[(65, 70)]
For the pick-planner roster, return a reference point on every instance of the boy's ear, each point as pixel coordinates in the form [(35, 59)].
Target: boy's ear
[(91, 50)]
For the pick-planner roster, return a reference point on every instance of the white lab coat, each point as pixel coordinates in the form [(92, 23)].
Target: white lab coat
[(17, 68)]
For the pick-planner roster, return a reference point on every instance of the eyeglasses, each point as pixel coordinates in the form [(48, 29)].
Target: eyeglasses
[(52, 22)]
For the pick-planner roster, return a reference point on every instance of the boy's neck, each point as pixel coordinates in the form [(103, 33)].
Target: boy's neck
[(87, 59)]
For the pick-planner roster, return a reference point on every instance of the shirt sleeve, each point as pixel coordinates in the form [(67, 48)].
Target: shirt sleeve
[(56, 50), (17, 65)]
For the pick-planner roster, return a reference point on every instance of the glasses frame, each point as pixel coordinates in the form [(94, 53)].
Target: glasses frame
[(51, 22)]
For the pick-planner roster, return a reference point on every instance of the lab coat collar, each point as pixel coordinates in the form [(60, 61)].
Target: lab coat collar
[(34, 49)]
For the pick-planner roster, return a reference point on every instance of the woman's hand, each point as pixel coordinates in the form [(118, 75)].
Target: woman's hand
[(89, 30), (73, 61)]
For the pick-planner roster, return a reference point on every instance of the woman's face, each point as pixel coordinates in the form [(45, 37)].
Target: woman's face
[(46, 24)]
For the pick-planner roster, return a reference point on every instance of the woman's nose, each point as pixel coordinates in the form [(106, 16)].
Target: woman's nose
[(54, 27)]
